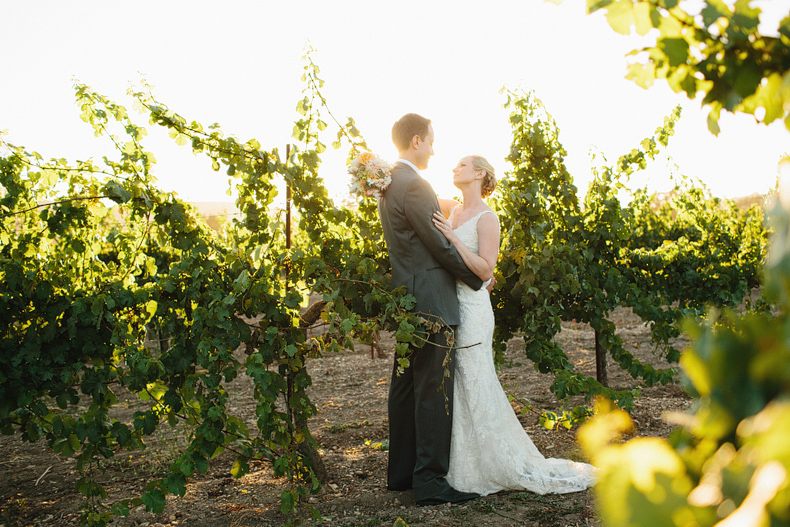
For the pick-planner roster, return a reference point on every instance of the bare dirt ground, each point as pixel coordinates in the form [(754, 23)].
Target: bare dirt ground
[(37, 487)]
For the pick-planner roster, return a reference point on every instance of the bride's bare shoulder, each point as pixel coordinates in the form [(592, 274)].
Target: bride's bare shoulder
[(447, 206), (488, 221)]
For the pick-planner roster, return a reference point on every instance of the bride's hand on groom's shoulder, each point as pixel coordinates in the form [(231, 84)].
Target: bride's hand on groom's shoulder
[(444, 227)]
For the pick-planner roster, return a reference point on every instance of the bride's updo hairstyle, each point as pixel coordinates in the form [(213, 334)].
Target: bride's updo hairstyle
[(489, 180)]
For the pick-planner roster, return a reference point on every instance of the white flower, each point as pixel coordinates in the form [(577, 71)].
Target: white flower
[(370, 175)]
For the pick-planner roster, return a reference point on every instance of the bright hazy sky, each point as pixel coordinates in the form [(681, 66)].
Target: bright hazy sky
[(238, 63)]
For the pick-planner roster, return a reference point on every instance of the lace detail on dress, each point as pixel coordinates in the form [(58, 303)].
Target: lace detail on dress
[(490, 451)]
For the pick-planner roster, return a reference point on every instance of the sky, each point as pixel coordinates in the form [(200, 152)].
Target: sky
[(239, 63)]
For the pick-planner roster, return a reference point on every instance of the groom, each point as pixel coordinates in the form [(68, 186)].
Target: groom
[(427, 264)]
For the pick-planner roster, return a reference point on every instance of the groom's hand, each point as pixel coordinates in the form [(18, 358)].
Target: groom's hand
[(491, 284)]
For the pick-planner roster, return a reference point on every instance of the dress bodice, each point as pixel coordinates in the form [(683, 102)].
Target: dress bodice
[(467, 233)]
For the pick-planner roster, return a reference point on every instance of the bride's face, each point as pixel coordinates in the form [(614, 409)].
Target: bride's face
[(464, 173)]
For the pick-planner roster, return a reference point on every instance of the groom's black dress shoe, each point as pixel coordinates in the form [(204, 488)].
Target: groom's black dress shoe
[(448, 496)]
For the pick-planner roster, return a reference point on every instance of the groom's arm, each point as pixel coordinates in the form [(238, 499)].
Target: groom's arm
[(419, 205)]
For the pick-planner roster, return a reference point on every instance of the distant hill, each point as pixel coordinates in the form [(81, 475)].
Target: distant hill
[(742, 202), (214, 212), (745, 202)]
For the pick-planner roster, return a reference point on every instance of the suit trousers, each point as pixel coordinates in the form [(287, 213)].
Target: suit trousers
[(419, 423)]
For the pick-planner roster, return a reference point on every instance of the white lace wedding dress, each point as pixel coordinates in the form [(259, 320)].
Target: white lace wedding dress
[(490, 451)]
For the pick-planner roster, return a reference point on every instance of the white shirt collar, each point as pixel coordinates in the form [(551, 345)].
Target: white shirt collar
[(409, 163)]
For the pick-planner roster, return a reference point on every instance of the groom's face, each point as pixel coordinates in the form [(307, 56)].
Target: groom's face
[(424, 148)]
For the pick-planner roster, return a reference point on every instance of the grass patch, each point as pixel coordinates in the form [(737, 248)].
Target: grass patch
[(383, 445)]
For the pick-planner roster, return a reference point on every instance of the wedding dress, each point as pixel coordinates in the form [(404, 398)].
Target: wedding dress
[(490, 451)]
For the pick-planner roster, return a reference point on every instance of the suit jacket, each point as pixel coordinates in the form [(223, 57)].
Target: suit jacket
[(422, 259)]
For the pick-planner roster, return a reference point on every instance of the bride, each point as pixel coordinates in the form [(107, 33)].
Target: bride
[(489, 450)]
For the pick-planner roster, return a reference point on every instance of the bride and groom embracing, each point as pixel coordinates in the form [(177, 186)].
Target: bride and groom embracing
[(444, 260)]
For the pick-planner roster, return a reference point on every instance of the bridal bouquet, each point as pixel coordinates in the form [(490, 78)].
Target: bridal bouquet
[(370, 175)]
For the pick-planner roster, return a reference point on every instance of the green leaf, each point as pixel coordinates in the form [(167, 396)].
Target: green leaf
[(620, 16), (747, 80), (713, 10), (287, 501), (201, 464), (676, 50), (746, 18), (97, 307), (713, 122), (242, 282), (154, 501), (150, 266), (176, 484), (548, 420), (664, 496), (643, 17), (239, 468), (116, 192), (78, 246), (49, 178), (303, 106), (595, 5), (405, 332)]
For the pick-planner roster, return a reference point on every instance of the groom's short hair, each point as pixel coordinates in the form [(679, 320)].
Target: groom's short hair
[(405, 128)]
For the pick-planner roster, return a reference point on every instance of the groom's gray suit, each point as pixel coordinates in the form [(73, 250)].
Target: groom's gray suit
[(427, 264)]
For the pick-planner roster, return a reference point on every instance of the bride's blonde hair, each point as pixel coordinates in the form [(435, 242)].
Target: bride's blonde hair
[(489, 180)]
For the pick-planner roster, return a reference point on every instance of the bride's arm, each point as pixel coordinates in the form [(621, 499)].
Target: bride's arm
[(447, 205), (488, 235)]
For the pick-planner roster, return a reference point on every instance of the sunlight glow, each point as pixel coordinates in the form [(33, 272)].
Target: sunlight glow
[(246, 77)]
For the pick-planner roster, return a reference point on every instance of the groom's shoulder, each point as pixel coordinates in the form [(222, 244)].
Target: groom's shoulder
[(403, 176), (403, 171), (408, 182)]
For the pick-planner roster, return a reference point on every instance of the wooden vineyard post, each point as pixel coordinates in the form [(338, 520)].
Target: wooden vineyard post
[(287, 219), (600, 361), (304, 448)]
